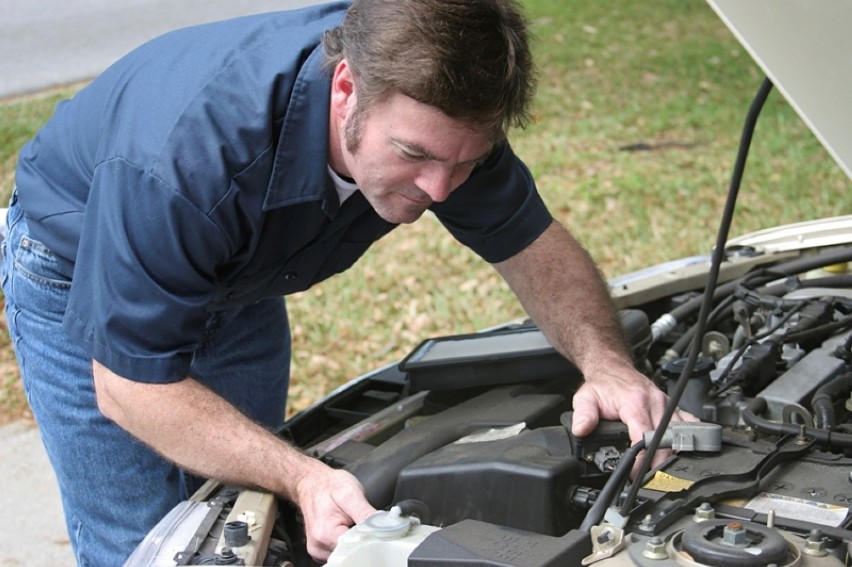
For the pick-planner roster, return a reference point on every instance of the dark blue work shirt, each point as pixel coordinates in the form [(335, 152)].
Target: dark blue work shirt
[(191, 176)]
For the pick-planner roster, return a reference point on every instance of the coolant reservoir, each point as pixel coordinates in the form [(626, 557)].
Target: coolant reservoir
[(385, 539)]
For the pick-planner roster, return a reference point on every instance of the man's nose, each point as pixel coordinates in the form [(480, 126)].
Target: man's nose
[(436, 181)]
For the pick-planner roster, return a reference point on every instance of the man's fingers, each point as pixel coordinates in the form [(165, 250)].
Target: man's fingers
[(586, 414), (682, 415), (634, 401), (336, 502), (357, 508)]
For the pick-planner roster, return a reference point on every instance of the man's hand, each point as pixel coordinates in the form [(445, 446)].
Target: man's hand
[(331, 501), (562, 290), (622, 394)]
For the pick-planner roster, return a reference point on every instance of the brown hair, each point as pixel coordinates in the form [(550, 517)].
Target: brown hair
[(469, 58)]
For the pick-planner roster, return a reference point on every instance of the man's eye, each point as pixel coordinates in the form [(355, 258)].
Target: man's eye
[(410, 156)]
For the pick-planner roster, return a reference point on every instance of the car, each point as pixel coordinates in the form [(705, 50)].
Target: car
[(465, 445)]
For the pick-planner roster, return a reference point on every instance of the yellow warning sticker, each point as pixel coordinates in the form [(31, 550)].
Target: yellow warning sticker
[(665, 482)]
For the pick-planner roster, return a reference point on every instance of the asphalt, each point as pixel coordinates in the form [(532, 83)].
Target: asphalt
[(42, 45), (34, 534), (53, 42)]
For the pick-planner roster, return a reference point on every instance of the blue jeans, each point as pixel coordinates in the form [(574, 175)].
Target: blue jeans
[(114, 489)]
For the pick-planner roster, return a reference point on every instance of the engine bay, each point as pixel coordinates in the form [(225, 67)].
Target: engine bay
[(466, 444)]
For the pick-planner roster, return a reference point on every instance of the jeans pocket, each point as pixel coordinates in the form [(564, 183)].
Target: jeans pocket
[(36, 298), (39, 284)]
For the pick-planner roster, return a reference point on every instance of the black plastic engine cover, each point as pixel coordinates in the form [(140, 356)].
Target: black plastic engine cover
[(477, 544), (378, 470), (521, 482)]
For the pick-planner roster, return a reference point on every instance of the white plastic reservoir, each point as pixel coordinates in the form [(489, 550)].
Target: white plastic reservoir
[(385, 539)]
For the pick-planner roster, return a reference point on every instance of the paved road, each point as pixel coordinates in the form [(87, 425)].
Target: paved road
[(51, 42), (34, 533), (43, 44)]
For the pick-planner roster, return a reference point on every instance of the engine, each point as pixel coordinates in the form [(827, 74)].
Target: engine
[(466, 447), (765, 479)]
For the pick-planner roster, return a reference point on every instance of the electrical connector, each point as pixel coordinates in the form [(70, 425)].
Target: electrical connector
[(690, 436)]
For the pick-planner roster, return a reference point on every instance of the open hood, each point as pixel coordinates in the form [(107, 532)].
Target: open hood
[(805, 48)]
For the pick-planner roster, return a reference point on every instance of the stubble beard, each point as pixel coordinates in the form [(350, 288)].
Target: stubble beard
[(352, 133)]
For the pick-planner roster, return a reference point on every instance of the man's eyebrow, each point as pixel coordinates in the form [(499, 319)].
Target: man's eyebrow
[(418, 149)]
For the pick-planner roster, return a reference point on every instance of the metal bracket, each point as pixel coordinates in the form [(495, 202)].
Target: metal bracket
[(607, 540)]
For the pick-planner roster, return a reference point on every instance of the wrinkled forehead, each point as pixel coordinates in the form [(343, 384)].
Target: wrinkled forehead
[(379, 104)]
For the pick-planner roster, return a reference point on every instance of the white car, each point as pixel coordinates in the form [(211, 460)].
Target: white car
[(465, 445)]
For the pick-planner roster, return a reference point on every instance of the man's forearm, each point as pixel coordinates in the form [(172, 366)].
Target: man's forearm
[(194, 427), (562, 291), (201, 432)]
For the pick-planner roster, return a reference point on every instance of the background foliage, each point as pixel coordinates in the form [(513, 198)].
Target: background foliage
[(638, 117)]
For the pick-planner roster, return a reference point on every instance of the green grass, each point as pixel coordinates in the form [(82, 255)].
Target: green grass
[(613, 73)]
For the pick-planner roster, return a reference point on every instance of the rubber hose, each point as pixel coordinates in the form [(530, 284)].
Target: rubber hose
[(822, 403)]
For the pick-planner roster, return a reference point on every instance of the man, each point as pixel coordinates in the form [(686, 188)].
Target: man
[(163, 212)]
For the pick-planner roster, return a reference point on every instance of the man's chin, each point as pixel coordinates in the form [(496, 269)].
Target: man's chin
[(401, 217)]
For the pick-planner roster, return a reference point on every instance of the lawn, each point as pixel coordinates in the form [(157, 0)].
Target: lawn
[(638, 117)]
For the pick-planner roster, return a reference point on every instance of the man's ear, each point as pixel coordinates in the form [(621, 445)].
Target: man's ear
[(343, 91)]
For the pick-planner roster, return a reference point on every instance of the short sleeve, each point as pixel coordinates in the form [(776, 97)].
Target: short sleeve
[(497, 212), (145, 272)]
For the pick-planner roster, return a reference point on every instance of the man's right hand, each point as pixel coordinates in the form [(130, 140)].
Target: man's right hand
[(331, 502)]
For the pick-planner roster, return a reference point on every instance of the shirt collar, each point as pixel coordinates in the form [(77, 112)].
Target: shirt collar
[(299, 171)]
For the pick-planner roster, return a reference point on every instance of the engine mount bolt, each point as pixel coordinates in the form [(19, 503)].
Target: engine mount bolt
[(814, 545), (734, 534), (802, 439), (655, 548), (647, 523), (704, 512)]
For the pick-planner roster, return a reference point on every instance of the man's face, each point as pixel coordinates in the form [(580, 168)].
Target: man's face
[(405, 155)]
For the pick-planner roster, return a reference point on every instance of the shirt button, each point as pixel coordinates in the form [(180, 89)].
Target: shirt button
[(290, 276)]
